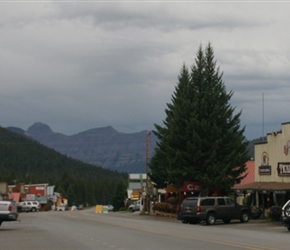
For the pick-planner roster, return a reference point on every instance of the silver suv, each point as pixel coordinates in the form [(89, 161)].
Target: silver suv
[(29, 206), (210, 209)]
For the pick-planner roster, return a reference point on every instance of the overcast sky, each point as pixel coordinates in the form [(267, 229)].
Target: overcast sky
[(78, 65)]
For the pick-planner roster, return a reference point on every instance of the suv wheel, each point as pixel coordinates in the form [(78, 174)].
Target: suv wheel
[(287, 211), (33, 209), (211, 218), (244, 217)]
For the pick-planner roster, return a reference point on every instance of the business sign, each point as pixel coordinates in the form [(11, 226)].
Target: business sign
[(30, 197), (265, 170), (280, 192), (283, 168), (191, 186)]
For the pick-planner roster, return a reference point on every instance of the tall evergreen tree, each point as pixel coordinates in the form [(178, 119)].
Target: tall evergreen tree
[(201, 138), (171, 146)]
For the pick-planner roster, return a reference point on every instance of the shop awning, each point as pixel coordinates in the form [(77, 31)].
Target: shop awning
[(260, 186)]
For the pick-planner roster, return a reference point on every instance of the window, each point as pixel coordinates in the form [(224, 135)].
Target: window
[(230, 202), (189, 203), (221, 201), (207, 202)]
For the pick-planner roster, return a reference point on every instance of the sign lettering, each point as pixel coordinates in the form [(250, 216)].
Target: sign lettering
[(283, 168), (265, 170)]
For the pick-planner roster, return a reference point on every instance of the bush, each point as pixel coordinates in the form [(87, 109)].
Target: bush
[(256, 212), (274, 213), (165, 207), (172, 200)]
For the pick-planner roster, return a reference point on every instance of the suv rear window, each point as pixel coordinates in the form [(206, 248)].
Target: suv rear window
[(207, 202), (189, 202)]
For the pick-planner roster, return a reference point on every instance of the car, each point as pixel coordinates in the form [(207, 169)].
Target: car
[(285, 215), (29, 206), (135, 206), (62, 207), (110, 208), (209, 209)]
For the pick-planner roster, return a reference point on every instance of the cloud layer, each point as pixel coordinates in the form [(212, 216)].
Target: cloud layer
[(81, 65)]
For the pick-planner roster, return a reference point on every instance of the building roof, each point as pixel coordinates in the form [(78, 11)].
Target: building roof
[(250, 165), (259, 186)]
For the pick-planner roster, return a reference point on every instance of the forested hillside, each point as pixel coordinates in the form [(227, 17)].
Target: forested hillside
[(25, 161)]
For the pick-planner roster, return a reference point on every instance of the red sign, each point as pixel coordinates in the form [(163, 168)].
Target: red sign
[(192, 186)]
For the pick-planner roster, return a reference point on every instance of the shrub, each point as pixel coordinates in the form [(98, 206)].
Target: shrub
[(165, 207), (274, 213), (172, 200)]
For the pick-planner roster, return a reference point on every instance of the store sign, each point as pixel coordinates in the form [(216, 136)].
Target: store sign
[(280, 192), (191, 186), (264, 192), (283, 168), (265, 170), (30, 197)]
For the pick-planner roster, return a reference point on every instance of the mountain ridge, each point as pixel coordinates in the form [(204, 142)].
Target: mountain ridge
[(103, 146)]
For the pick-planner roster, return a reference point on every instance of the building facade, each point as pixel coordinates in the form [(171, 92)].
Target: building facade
[(272, 170)]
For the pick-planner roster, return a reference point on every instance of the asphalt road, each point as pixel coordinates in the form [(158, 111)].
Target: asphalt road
[(130, 231)]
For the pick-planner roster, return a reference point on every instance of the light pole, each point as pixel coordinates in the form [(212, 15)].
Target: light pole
[(147, 171)]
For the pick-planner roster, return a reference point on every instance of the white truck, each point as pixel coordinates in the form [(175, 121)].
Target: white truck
[(135, 206), (8, 211)]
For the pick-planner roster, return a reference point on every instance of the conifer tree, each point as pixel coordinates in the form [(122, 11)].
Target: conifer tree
[(201, 139)]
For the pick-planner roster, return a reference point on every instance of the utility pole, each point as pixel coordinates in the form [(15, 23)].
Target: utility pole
[(147, 204)]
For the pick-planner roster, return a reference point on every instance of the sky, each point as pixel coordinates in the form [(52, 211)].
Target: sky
[(78, 65)]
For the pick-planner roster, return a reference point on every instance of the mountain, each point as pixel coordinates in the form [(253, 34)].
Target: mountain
[(24, 160), (104, 147)]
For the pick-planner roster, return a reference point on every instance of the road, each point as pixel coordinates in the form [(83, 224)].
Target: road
[(130, 231)]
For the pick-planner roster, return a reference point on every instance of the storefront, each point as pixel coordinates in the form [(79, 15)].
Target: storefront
[(272, 170), (189, 189)]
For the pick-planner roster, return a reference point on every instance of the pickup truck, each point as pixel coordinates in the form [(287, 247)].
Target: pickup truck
[(135, 206), (8, 211)]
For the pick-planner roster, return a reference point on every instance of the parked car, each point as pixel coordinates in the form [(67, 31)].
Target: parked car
[(110, 208), (210, 209), (29, 206), (135, 206), (285, 215)]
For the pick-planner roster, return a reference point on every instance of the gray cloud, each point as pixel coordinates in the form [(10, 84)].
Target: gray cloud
[(80, 65)]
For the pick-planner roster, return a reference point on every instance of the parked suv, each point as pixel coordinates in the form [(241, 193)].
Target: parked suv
[(29, 206), (285, 215), (210, 209)]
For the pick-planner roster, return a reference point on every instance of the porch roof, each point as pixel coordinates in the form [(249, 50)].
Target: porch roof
[(270, 186)]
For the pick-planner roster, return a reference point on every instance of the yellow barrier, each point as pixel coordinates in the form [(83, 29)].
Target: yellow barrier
[(99, 209)]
